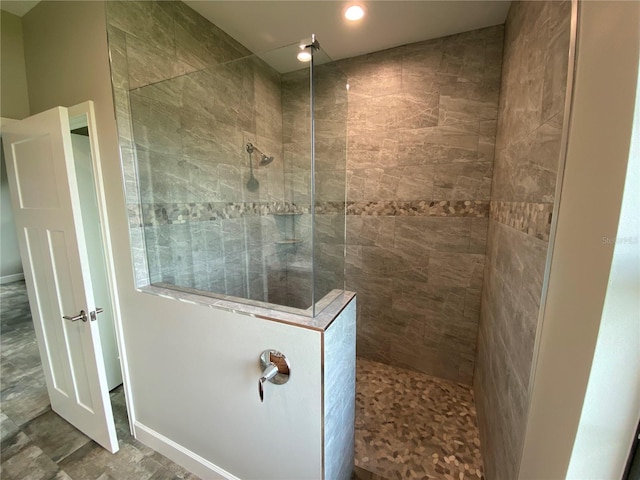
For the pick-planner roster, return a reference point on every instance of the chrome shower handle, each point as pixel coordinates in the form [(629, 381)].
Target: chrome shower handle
[(275, 369), (269, 372)]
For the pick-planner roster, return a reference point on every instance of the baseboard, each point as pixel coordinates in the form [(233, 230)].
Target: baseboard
[(181, 455), (11, 278)]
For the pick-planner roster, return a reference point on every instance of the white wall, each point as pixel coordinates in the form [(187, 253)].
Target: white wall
[(14, 104), (597, 155), (10, 264), (13, 80), (612, 405), (195, 372)]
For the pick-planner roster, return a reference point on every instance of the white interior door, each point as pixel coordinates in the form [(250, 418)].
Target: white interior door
[(44, 193)]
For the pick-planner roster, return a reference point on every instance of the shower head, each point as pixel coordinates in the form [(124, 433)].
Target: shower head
[(264, 159)]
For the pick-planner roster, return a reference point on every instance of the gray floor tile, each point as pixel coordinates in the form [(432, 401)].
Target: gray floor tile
[(57, 438), (30, 463)]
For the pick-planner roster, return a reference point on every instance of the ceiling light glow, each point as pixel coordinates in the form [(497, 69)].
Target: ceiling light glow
[(304, 56), (354, 12)]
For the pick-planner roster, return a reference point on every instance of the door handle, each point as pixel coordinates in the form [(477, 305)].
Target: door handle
[(81, 316)]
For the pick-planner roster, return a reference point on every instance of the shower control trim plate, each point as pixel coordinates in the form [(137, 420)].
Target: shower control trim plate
[(275, 369)]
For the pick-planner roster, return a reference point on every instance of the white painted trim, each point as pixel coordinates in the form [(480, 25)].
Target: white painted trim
[(11, 278), (181, 455)]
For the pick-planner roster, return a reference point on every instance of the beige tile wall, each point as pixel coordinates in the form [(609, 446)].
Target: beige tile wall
[(421, 133), (527, 150)]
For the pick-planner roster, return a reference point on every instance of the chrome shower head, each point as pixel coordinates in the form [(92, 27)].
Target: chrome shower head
[(264, 159)]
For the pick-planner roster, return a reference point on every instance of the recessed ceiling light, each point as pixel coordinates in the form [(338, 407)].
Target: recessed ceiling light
[(354, 12), (304, 56)]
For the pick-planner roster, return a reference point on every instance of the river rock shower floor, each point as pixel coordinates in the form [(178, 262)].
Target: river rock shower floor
[(411, 425)]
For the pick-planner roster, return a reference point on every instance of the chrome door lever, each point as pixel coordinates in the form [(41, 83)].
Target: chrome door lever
[(81, 316)]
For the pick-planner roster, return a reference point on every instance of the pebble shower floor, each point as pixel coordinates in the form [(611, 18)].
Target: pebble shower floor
[(413, 426)]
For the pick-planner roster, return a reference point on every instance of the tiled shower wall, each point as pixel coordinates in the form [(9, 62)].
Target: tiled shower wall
[(528, 146), (185, 111), (421, 133), (188, 100)]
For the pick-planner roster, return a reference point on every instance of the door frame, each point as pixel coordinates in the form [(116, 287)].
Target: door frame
[(83, 115)]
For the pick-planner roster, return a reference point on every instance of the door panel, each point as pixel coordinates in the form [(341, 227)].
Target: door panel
[(43, 184), (38, 163)]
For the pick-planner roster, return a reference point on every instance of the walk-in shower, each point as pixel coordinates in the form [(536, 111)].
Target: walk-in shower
[(241, 171)]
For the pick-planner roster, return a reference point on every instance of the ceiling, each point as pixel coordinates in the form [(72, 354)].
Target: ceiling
[(263, 25), (18, 7)]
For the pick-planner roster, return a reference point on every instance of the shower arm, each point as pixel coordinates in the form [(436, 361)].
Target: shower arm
[(264, 159)]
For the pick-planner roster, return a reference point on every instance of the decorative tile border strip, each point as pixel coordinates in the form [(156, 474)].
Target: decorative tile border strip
[(531, 218), (426, 208), (155, 214)]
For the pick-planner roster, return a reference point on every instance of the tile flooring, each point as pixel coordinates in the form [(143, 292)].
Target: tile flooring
[(408, 425), (412, 425)]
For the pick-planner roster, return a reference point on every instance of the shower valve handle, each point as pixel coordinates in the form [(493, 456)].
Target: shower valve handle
[(269, 372), (275, 369)]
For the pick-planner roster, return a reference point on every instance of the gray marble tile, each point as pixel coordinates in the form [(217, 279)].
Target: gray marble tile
[(144, 20), (156, 125), (377, 261), (21, 404), (193, 51), (123, 117), (478, 235), (424, 234), (7, 427), (118, 57), (148, 64), (371, 231), (14, 444), (376, 150), (379, 183), (57, 438), (456, 270), (373, 75), (458, 181), (339, 394), (526, 158), (330, 185), (30, 463)]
